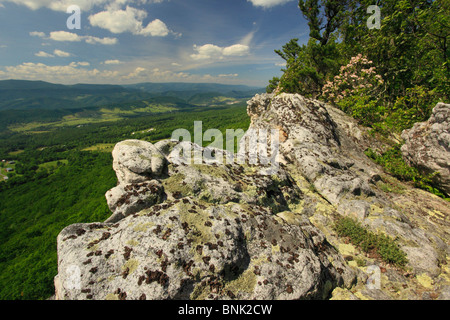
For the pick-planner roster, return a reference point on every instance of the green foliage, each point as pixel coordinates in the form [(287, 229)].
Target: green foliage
[(273, 84), (307, 66), (409, 52), (368, 241), (33, 213), (415, 106), (393, 163), (60, 185), (367, 110)]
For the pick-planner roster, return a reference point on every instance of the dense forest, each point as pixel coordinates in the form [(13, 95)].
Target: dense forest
[(385, 63), (61, 177)]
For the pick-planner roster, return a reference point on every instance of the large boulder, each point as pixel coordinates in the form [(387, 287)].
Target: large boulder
[(427, 146), (136, 161), (215, 230), (188, 249)]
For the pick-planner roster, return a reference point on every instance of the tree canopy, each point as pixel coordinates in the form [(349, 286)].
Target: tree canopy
[(409, 52)]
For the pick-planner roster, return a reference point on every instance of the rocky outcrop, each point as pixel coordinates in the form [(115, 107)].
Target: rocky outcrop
[(427, 146), (218, 230)]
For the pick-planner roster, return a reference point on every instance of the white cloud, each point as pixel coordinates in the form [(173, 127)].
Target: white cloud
[(119, 21), (236, 50), (37, 34), (43, 54), (79, 64), (104, 41), (85, 5), (64, 36), (228, 75), (211, 51), (56, 52), (62, 73), (128, 20), (112, 62), (61, 53), (135, 73), (156, 28), (268, 3), (207, 51), (73, 37)]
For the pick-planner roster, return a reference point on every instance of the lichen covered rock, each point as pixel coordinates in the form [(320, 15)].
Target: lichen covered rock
[(217, 230), (427, 146)]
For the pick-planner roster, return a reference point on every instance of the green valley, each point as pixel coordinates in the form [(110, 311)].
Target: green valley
[(63, 167)]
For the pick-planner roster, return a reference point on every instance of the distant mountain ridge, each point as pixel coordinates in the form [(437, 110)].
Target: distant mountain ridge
[(26, 95), (153, 87)]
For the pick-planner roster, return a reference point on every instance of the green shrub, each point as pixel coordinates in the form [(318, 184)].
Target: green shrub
[(415, 106), (394, 164), (368, 241)]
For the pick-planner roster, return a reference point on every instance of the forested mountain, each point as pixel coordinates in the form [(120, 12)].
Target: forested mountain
[(192, 87), (27, 95)]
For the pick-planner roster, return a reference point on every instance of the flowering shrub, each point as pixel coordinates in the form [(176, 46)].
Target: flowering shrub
[(358, 77), (356, 91)]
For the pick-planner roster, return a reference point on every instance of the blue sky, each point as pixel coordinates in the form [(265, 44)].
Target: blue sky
[(131, 41)]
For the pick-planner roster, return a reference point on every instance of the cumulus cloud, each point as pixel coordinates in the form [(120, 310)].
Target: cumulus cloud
[(236, 50), (115, 61), (61, 53), (61, 73), (106, 41), (56, 52), (228, 75), (207, 51), (43, 54), (128, 20), (83, 64), (268, 3), (211, 51), (135, 73), (37, 34), (156, 28), (64, 36), (73, 37), (85, 5), (80, 72)]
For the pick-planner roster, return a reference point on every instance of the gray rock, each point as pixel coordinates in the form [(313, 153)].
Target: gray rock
[(185, 250), (132, 198), (137, 161), (217, 230), (427, 146)]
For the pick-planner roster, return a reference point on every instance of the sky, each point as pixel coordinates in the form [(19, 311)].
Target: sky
[(134, 41)]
